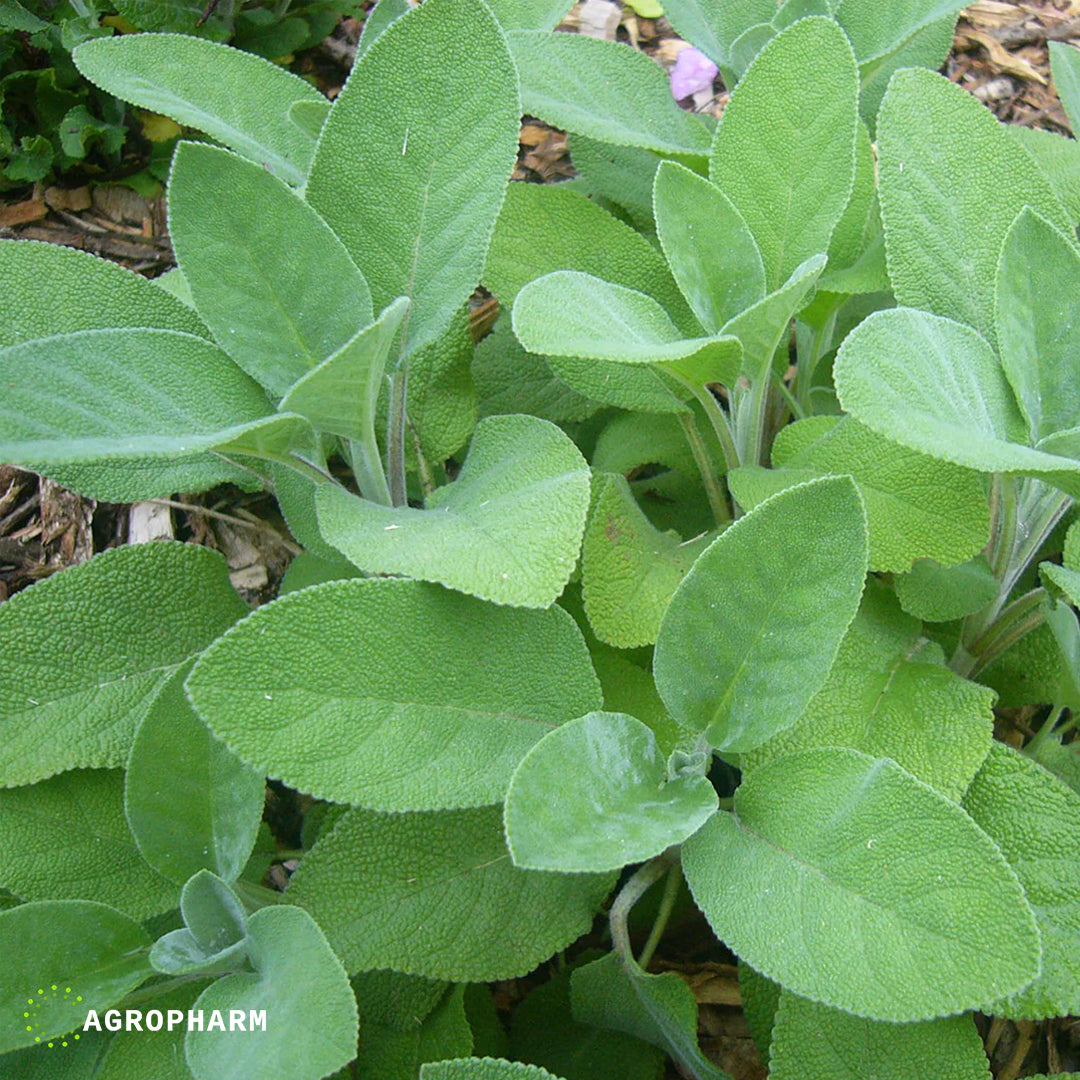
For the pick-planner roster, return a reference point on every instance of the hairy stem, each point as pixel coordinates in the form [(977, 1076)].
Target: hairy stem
[(635, 888), (395, 435), (707, 468), (667, 905)]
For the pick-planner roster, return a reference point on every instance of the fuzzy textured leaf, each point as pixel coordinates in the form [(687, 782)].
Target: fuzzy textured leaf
[(1034, 818), (161, 399), (1038, 323), (603, 90), (235, 97), (786, 158), (436, 894), (708, 245), (889, 695), (192, 804), (70, 841), (95, 950), (295, 972), (936, 386), (276, 317), (147, 608), (49, 289), (849, 882), (429, 699), (917, 507), (751, 632), (813, 1040), (413, 161), (617, 804), (507, 530), (951, 184), (629, 569)]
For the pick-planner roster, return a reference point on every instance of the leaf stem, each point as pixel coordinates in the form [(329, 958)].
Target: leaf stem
[(715, 412), (639, 883), (395, 435), (720, 509), (367, 467), (750, 421), (667, 905), (1020, 617), (1048, 726)]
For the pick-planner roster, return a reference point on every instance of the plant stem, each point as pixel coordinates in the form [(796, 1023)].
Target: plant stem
[(809, 348), (368, 468), (395, 435), (721, 512), (1021, 617), (1048, 726), (667, 905), (714, 411), (792, 402), (635, 888), (750, 421)]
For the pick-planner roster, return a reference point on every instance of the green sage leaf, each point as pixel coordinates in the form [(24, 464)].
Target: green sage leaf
[(237, 98), (772, 596), (276, 317), (379, 716), (618, 805), (148, 608), (436, 894), (849, 882)]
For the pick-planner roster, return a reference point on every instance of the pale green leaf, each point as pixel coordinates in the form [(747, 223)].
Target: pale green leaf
[(630, 440), (429, 699), (917, 507), (952, 181), (849, 882), (875, 29), (295, 974), (634, 387), (147, 608), (659, 1009), (436, 894), (760, 1000), (377, 20), (1034, 818), (827, 1044), (1038, 323), (936, 386), (69, 840), (133, 1056), (936, 593), (93, 954), (547, 227), (191, 803), (1065, 66), (569, 313), (889, 695), (510, 380), (276, 317), (786, 158), (707, 244), (160, 400), (629, 569), (529, 14), (508, 529), (772, 597), (235, 97), (483, 1069), (1059, 158), (617, 803), (413, 161), (861, 220), (340, 395), (49, 290), (762, 328), (604, 90), (713, 27)]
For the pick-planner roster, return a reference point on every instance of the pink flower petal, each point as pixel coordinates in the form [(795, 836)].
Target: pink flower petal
[(693, 71)]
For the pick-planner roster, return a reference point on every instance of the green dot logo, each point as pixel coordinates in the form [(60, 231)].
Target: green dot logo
[(36, 1012)]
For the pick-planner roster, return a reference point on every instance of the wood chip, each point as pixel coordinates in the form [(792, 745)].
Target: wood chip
[(999, 56), (21, 212), (68, 198), (599, 19)]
